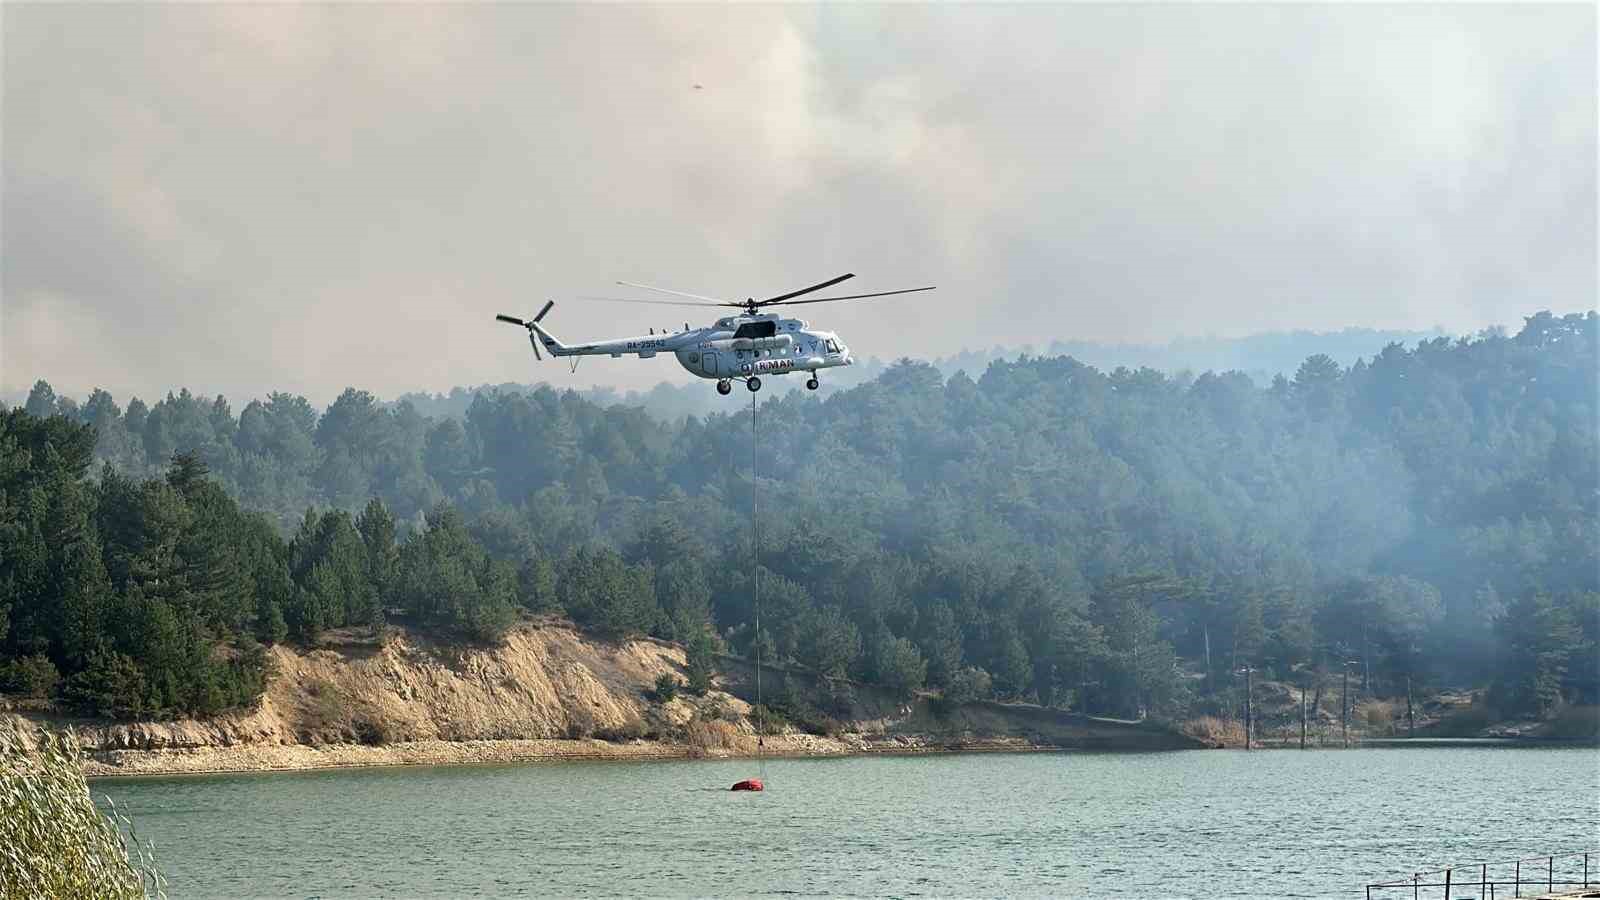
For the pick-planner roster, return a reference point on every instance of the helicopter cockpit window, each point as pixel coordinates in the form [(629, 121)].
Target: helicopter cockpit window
[(765, 328), (832, 345)]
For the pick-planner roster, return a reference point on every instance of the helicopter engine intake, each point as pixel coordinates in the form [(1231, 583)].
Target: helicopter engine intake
[(775, 342)]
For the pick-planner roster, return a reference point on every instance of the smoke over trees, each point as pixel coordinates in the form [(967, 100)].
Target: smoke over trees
[(1115, 542)]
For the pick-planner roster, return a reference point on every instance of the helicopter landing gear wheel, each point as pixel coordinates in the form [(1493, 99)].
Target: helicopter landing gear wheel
[(753, 383), (724, 387), (812, 384)]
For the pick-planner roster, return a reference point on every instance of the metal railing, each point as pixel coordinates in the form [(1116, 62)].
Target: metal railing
[(1528, 877)]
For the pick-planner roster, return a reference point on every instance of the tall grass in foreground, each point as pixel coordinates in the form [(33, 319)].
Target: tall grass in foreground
[(54, 842)]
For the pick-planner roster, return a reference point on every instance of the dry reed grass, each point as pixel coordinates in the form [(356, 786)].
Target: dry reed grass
[(1379, 716), (706, 735), (1216, 731), (54, 842)]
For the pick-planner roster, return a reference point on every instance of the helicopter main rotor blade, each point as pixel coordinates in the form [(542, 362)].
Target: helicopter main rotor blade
[(674, 293), (815, 287), (512, 319), (857, 296), (656, 302)]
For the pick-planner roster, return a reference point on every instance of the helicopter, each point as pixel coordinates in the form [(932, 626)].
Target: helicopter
[(740, 347)]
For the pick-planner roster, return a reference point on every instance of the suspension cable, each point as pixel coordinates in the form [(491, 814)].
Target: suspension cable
[(755, 579)]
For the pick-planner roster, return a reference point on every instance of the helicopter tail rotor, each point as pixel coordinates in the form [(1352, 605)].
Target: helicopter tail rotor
[(532, 325)]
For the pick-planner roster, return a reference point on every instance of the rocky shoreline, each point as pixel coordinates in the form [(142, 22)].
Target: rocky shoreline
[(550, 692), (302, 758)]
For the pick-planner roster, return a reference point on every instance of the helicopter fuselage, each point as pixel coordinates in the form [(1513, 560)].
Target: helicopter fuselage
[(741, 346), (744, 346)]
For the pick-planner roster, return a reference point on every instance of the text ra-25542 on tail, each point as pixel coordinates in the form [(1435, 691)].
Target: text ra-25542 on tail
[(744, 346)]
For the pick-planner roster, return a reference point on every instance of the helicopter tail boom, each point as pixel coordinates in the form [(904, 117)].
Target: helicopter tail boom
[(550, 342)]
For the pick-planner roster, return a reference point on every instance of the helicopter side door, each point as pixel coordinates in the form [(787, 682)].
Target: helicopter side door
[(708, 363)]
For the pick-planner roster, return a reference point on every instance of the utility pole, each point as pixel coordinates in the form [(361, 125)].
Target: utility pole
[(1366, 662), (1249, 706), (1302, 717), (1345, 716), (1411, 718), (1344, 708)]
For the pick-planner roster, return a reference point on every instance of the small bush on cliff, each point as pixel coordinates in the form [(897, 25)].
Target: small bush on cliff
[(767, 721), (666, 689), (57, 844), (327, 715), (29, 676), (794, 706), (627, 731)]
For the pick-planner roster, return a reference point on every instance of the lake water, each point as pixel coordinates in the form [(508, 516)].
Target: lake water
[(1191, 824)]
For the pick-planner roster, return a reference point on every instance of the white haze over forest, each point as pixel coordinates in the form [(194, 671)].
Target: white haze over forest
[(244, 198)]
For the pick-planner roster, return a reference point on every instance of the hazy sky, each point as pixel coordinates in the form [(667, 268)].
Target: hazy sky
[(245, 198)]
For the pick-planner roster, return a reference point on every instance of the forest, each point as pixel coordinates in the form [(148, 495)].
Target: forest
[(1116, 542)]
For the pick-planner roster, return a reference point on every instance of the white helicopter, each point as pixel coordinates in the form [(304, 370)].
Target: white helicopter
[(744, 346)]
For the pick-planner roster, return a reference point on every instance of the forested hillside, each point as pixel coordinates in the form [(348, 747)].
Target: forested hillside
[(1117, 542), (1260, 356)]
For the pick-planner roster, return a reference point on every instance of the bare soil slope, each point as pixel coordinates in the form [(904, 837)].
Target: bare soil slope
[(547, 691)]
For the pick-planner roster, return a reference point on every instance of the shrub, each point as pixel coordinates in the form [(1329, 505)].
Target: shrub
[(969, 684), (1576, 723), (666, 688), (1378, 715), (901, 667), (767, 721), (580, 725), (627, 731), (1465, 721), (1215, 731), (700, 655), (29, 676), (111, 685), (326, 718), (57, 843), (705, 735)]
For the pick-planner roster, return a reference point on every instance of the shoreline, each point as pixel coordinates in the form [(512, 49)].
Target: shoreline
[(263, 759), (293, 758)]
